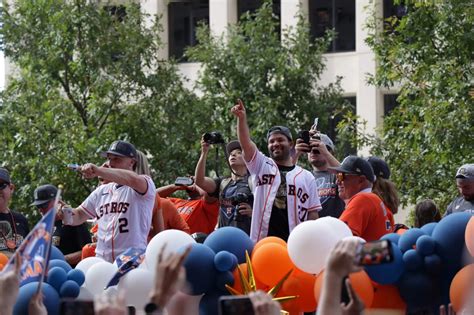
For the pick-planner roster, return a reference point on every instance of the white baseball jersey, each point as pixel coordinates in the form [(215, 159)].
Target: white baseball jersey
[(302, 194), (123, 217)]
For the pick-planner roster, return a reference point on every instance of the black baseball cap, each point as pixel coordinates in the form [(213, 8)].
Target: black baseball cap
[(232, 145), (355, 165), (379, 166), (44, 194), (5, 175), (121, 148), (280, 129)]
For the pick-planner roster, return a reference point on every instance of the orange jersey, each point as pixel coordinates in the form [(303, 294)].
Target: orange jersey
[(200, 215), (171, 217), (368, 217)]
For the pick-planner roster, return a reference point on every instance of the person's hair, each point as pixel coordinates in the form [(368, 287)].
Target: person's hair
[(426, 211), (141, 166), (386, 190)]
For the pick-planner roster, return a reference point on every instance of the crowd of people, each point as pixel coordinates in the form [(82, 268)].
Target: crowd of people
[(265, 195)]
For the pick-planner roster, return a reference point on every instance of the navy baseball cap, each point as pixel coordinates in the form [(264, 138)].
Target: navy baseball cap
[(44, 194), (280, 129), (466, 172), (121, 148), (355, 165), (5, 175), (232, 145), (379, 166)]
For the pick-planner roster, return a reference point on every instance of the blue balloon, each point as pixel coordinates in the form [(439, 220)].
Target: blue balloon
[(56, 277), (231, 239), (77, 276), (412, 260), (429, 227), (408, 239), (59, 263), (200, 270), (390, 272), (433, 263), (425, 245), (209, 303), (392, 237), (224, 278), (50, 298), (419, 290), (224, 261), (69, 289), (449, 235), (56, 254)]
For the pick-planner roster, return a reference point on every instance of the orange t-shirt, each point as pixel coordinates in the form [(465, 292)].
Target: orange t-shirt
[(367, 216), (171, 217), (200, 215)]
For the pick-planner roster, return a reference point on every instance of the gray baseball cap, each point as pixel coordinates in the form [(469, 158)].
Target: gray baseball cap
[(5, 175), (327, 141), (466, 172), (281, 130)]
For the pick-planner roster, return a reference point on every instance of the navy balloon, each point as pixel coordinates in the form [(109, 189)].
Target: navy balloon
[(56, 254), (224, 261), (69, 289), (224, 278), (449, 235), (77, 276), (387, 273), (425, 245), (429, 227), (419, 290), (231, 239), (59, 263), (209, 303), (412, 260), (392, 237), (50, 298), (200, 270), (56, 277), (433, 264), (408, 239)]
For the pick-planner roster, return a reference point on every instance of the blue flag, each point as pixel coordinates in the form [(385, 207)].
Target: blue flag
[(129, 260), (35, 250)]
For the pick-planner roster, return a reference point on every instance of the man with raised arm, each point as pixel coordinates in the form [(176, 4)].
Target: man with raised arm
[(123, 206), (285, 194)]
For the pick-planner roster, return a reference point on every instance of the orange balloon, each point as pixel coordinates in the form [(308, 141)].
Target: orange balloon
[(291, 307), (268, 240), (401, 231), (238, 286), (387, 297), (88, 251), (361, 283), (302, 284), (469, 235), (3, 259), (271, 263), (2, 266), (461, 286)]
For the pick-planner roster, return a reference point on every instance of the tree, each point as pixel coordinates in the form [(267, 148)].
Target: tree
[(428, 54), (86, 74), (276, 79)]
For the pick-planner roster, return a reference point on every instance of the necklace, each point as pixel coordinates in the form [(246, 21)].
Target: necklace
[(11, 244)]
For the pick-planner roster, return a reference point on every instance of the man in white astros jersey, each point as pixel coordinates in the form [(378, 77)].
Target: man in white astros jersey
[(123, 206), (285, 194)]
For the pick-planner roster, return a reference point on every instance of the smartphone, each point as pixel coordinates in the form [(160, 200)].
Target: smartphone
[(184, 181), (235, 305), (304, 135), (374, 253), (75, 307)]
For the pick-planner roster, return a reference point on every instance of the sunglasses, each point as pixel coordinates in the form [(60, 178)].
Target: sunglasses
[(4, 185), (42, 206), (341, 176)]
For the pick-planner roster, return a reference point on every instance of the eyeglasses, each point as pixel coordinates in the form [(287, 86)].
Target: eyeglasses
[(341, 176), (4, 185)]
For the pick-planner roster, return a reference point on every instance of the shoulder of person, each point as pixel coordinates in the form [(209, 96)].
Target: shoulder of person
[(17, 215)]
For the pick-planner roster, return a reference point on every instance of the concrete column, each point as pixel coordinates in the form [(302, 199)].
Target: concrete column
[(160, 8), (290, 10), (221, 14)]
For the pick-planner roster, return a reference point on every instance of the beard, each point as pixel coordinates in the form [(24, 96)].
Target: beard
[(283, 155)]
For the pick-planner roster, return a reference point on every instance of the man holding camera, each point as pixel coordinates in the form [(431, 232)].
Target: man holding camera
[(285, 194), (234, 193), (320, 148)]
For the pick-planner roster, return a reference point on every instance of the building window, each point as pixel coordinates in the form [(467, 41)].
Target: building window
[(250, 6), (343, 148), (389, 103), (183, 19), (334, 14)]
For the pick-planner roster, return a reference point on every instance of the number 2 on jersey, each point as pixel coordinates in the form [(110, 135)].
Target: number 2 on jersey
[(123, 225)]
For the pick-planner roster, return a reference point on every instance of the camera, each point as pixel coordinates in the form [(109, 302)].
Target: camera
[(213, 137), (239, 198)]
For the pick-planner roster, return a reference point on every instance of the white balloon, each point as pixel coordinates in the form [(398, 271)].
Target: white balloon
[(360, 239), (310, 243), (88, 262), (137, 283), (98, 276), (337, 226), (85, 295), (174, 240)]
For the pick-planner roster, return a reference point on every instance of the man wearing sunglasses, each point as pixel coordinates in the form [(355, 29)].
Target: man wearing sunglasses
[(365, 214), (69, 239), (13, 225), (284, 194)]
